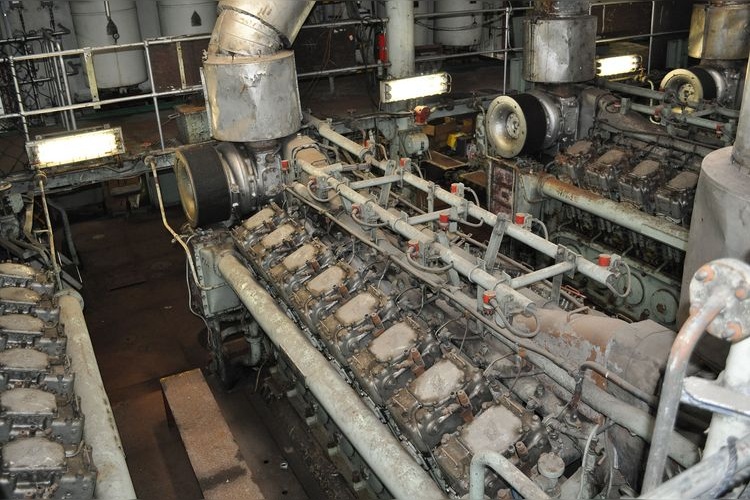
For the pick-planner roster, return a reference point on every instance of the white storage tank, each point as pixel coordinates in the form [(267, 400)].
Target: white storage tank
[(423, 28), (118, 68), (461, 31), (187, 17)]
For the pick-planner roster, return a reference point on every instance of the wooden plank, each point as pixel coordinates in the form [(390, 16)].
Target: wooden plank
[(216, 459)]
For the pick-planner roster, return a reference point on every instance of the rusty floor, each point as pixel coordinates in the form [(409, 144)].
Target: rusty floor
[(142, 330)]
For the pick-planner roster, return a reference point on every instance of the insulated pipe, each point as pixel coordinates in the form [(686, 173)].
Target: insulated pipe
[(250, 78), (373, 441), (99, 429), (400, 37), (542, 274), (597, 273), (682, 349), (686, 118), (469, 269), (507, 472), (700, 479), (630, 218)]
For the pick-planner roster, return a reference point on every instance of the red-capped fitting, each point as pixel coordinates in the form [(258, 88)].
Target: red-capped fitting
[(284, 165), (454, 188), (444, 221), (604, 260), (421, 115), (403, 162), (520, 219), (412, 247), (488, 308)]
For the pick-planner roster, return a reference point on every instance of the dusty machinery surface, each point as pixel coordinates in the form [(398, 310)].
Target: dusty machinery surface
[(614, 168), (58, 438), (420, 356)]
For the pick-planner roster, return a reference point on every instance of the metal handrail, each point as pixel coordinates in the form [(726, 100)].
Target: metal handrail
[(154, 95)]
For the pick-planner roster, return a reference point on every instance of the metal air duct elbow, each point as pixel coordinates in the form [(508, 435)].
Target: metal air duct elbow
[(251, 80), (253, 101)]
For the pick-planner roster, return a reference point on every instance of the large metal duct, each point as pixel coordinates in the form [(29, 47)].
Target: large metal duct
[(720, 29), (253, 101), (251, 80), (559, 42)]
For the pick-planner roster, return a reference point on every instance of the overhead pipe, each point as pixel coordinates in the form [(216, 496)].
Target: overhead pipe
[(113, 480), (599, 274), (465, 267), (372, 439)]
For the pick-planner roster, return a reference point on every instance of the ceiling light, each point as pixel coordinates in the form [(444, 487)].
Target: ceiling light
[(414, 88), (55, 150), (618, 65)]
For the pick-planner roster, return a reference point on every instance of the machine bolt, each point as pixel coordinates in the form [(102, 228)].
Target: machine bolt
[(732, 331), (705, 273), (742, 292)]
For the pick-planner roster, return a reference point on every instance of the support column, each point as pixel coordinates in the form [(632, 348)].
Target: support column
[(400, 37)]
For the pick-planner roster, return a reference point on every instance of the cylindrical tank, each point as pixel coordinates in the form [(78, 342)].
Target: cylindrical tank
[(187, 17), (119, 68), (720, 30), (423, 28), (460, 31)]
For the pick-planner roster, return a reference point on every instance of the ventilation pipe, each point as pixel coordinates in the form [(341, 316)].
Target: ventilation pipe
[(559, 42), (253, 101), (251, 80)]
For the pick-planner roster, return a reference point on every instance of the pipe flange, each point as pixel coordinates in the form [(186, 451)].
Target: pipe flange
[(516, 124), (694, 85), (733, 322)]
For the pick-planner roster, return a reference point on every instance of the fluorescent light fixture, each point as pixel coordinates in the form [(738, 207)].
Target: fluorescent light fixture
[(619, 65), (65, 149), (415, 87)]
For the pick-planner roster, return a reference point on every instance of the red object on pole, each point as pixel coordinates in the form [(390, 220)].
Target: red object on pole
[(381, 47)]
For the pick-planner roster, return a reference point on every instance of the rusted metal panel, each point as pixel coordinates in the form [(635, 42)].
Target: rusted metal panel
[(169, 74), (216, 459)]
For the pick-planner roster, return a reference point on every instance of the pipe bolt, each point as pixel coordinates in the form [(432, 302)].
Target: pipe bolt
[(705, 273), (732, 331)]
